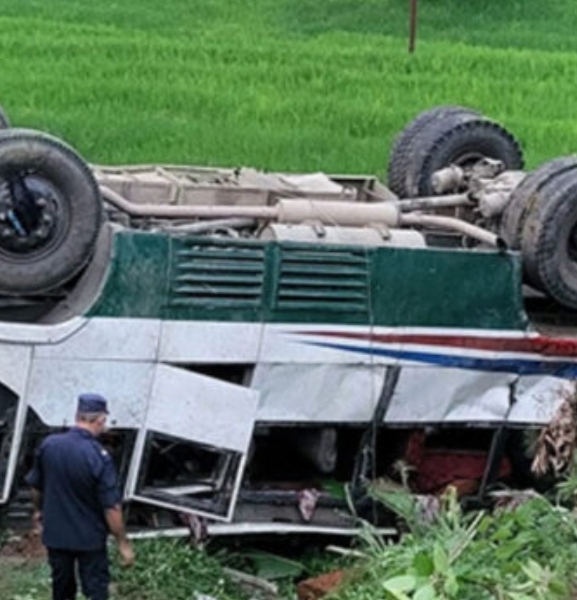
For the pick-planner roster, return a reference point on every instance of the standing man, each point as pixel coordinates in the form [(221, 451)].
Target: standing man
[(76, 499)]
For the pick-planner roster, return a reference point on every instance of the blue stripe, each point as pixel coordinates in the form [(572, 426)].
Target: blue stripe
[(563, 369)]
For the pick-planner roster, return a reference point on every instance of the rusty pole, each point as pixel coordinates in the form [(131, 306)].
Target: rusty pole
[(412, 25)]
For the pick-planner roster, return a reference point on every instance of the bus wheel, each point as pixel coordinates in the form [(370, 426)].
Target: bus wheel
[(50, 212)]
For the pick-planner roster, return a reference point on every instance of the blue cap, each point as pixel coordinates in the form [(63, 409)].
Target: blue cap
[(92, 403)]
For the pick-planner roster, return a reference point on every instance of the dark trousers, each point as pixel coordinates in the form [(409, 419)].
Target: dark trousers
[(92, 569)]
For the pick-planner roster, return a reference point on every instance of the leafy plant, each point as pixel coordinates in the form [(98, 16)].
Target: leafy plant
[(512, 554), (169, 569), (273, 566)]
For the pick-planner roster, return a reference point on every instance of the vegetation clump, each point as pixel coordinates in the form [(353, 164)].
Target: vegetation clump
[(522, 550), (171, 569)]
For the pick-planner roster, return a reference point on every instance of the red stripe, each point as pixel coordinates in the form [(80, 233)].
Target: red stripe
[(545, 346)]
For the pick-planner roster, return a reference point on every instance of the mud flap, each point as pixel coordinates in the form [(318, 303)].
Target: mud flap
[(191, 450)]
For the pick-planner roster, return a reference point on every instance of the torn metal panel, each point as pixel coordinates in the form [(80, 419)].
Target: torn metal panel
[(209, 432), (433, 395), (316, 393)]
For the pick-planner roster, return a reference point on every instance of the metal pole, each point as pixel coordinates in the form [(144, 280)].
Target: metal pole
[(412, 25), (453, 224)]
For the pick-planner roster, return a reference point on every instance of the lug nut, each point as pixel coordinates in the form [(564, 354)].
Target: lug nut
[(41, 233)]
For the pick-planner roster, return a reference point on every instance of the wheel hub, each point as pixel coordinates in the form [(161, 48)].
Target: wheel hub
[(28, 214)]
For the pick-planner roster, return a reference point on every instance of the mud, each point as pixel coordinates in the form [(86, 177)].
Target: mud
[(25, 547)]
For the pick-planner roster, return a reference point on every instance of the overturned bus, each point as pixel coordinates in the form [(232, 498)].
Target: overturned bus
[(270, 343)]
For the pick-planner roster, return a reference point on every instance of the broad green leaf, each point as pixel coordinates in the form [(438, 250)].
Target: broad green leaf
[(451, 586), (508, 549), (423, 564), (533, 570), (401, 583), (440, 558), (272, 566), (520, 596), (485, 523), (427, 592), (559, 587)]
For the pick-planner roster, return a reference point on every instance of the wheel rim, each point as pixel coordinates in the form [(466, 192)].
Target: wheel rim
[(467, 160), (33, 216)]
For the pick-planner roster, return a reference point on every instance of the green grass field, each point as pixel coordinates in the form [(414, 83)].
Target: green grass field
[(282, 84)]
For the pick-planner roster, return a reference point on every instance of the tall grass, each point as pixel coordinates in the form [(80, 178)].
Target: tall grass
[(282, 84)]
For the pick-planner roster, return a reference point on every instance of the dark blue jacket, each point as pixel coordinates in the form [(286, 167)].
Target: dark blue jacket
[(78, 482)]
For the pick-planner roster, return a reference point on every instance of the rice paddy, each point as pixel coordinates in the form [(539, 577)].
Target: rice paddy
[(282, 84)]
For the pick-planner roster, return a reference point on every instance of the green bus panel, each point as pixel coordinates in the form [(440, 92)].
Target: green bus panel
[(198, 278), (313, 283), (137, 280), (216, 280), (447, 288)]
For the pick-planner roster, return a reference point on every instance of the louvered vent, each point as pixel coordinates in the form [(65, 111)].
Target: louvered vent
[(323, 280), (213, 274)]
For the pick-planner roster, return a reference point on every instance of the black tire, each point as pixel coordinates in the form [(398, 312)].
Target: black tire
[(461, 140), (404, 144), (63, 236), (524, 196), (4, 121), (549, 240)]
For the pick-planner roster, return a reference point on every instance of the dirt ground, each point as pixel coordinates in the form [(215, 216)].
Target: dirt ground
[(24, 546)]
